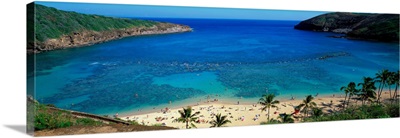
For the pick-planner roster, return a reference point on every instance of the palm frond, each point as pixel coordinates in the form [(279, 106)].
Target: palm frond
[(192, 125), (264, 108), (195, 114), (313, 104)]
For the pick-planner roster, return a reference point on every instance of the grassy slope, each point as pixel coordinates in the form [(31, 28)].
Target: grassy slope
[(48, 121), (53, 23)]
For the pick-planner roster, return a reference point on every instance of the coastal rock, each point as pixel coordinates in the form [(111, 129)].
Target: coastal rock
[(90, 37), (380, 27)]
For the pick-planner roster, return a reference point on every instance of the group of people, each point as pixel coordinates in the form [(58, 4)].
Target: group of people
[(241, 118), (159, 119), (166, 110), (256, 117), (201, 121)]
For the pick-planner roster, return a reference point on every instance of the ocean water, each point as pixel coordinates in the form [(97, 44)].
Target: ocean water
[(229, 60)]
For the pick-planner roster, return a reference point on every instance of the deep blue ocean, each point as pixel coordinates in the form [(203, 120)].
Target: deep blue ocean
[(232, 60)]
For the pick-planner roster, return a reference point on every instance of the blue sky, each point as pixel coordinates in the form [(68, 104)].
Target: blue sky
[(120, 10)]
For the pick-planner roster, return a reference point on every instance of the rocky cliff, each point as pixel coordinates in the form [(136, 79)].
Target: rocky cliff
[(90, 37), (51, 29), (380, 27)]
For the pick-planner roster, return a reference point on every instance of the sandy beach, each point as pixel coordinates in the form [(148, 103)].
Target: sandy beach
[(238, 114)]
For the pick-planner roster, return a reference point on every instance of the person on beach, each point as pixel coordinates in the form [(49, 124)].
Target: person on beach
[(292, 97), (238, 102)]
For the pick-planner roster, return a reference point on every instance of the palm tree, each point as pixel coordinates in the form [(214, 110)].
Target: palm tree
[(307, 104), (187, 117), (350, 90), (317, 112), (396, 77), (268, 101), (286, 118), (346, 91), (367, 90), (382, 77), (219, 121), (391, 81)]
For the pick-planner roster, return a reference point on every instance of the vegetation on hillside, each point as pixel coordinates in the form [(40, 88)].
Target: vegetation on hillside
[(381, 27), (49, 121), (46, 118), (53, 23), (371, 111)]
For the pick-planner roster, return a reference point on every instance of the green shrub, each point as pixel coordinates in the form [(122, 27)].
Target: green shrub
[(272, 121), (116, 118), (157, 124), (393, 110), (42, 121), (87, 122), (51, 120), (133, 122), (373, 111), (363, 112), (40, 107)]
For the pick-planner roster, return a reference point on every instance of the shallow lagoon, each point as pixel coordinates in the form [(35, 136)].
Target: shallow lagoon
[(232, 60)]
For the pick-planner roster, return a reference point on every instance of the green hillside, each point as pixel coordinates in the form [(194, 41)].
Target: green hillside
[(52, 23), (381, 27)]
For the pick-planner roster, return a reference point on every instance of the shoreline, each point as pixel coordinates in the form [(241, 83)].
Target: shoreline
[(90, 37), (223, 100), (248, 111)]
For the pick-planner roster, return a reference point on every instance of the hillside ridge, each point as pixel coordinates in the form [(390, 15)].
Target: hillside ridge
[(379, 27), (56, 29)]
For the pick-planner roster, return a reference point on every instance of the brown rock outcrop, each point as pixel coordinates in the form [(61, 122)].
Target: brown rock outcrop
[(89, 37)]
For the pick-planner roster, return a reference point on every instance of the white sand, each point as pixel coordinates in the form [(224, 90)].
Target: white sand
[(234, 112)]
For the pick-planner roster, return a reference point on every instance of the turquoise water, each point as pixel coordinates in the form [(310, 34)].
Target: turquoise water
[(204, 81), (232, 60)]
